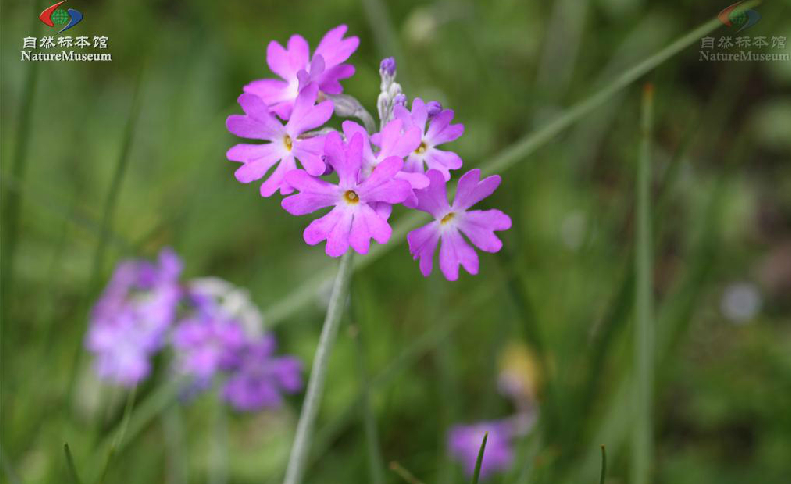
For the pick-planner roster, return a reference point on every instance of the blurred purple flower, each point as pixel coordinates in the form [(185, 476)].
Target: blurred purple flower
[(453, 220), (296, 68), (130, 319), (353, 220), (285, 144), (464, 442), (259, 379), (206, 343), (434, 132)]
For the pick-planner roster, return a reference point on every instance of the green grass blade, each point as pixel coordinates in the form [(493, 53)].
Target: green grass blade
[(642, 438), (479, 461), (75, 478), (404, 473), (702, 130), (672, 321), (106, 223), (304, 293), (603, 475), (108, 211), (10, 212), (63, 209), (118, 437), (137, 420)]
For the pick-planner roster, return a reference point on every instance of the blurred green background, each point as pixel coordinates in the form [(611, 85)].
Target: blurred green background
[(82, 151)]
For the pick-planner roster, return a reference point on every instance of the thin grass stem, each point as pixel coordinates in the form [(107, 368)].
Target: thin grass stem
[(642, 434)]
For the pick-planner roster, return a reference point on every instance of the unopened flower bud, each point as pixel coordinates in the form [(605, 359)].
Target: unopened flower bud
[(388, 66), (433, 108)]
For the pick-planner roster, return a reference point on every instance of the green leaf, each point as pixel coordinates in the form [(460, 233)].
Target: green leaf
[(479, 460), (75, 478), (603, 465)]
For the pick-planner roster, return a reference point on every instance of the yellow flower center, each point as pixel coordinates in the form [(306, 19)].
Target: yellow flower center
[(447, 218), (288, 143), (351, 197), (422, 148)]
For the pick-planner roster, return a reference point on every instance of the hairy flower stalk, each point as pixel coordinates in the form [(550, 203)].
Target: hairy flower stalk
[(329, 332)]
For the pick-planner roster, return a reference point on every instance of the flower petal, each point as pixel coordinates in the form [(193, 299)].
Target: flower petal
[(298, 53), (329, 79), (419, 114), (257, 159), (377, 224), (441, 131), (278, 60), (345, 159), (338, 239), (258, 123), (276, 181), (416, 180), (382, 209), (454, 251), (334, 48), (471, 190), (271, 91), (320, 228), (443, 161), (422, 244), (350, 128), (306, 115), (434, 198), (394, 141), (479, 227), (308, 151), (314, 193), (360, 236)]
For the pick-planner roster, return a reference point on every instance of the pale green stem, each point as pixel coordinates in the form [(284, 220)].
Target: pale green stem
[(310, 408), (642, 447)]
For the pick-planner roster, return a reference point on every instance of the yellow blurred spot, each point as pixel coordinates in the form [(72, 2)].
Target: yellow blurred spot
[(519, 371)]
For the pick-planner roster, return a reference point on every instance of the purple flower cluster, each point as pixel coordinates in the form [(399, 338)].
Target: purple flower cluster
[(145, 309), (357, 174)]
